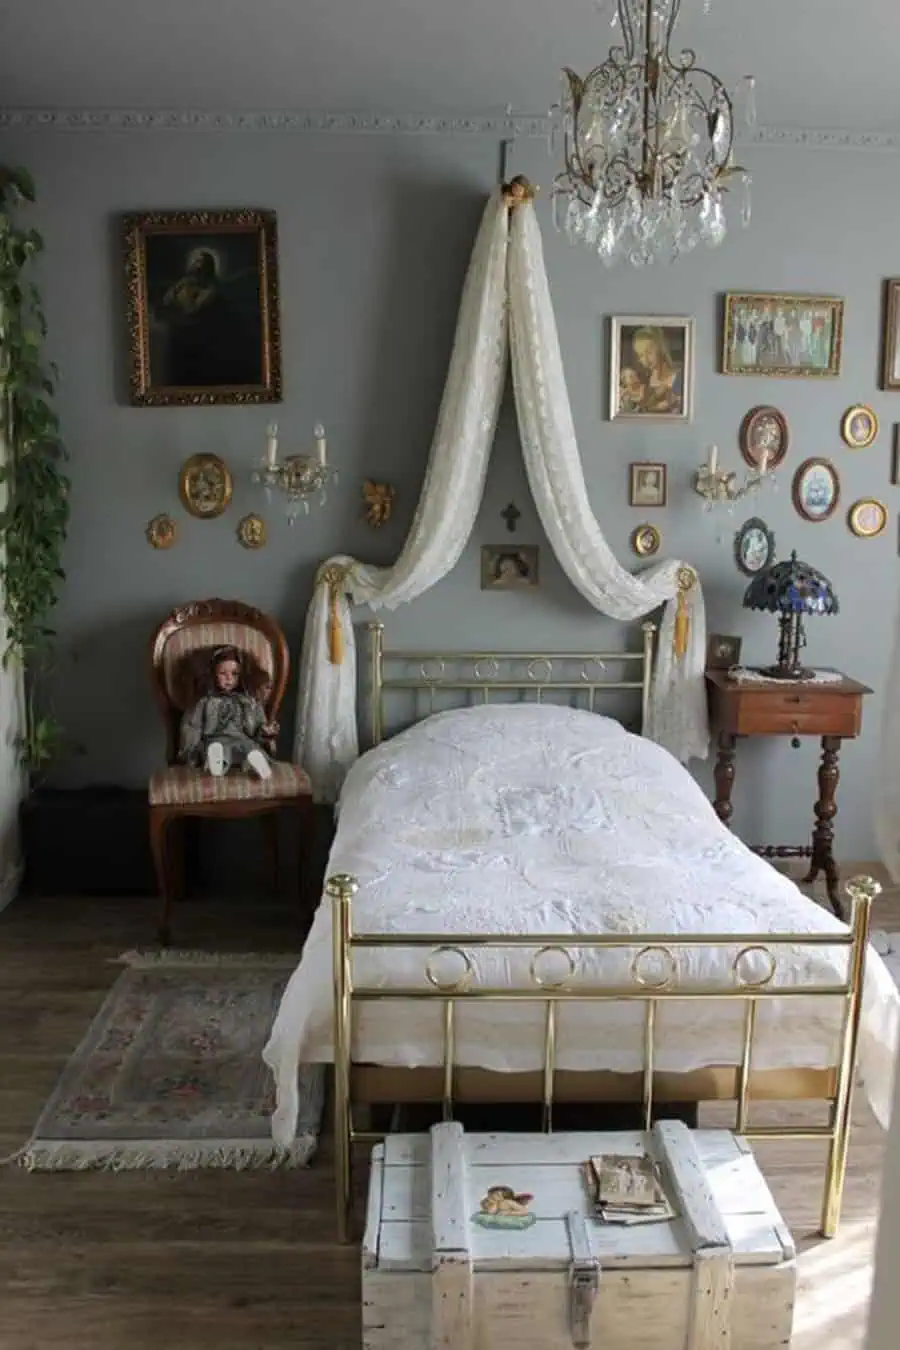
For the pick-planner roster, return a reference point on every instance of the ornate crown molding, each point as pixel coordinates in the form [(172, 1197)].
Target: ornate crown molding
[(505, 125)]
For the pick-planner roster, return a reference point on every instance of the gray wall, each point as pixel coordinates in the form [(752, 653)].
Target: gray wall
[(375, 234)]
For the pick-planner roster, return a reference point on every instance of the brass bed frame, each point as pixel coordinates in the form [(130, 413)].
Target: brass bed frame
[(653, 975)]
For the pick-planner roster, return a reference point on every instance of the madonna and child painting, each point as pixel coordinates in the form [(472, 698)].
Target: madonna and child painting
[(651, 368)]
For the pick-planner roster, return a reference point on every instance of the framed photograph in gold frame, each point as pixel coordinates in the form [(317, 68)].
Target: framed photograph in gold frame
[(787, 335), (890, 361), (202, 298)]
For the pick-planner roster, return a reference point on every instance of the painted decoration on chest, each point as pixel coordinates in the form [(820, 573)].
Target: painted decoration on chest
[(502, 1207)]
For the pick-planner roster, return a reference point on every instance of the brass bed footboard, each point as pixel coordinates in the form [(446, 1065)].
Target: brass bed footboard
[(654, 974)]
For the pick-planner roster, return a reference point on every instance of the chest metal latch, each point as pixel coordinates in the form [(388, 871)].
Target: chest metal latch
[(584, 1281)]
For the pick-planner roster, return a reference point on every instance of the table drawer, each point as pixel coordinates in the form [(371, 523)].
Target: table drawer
[(798, 714)]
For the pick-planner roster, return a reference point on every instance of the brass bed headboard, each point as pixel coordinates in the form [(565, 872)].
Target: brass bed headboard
[(488, 673)]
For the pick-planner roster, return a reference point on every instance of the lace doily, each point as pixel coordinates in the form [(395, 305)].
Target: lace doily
[(744, 675)]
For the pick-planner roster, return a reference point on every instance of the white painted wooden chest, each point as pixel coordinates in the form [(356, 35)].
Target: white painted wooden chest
[(720, 1276)]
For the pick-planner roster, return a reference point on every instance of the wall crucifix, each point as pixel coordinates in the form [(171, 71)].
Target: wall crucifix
[(511, 516)]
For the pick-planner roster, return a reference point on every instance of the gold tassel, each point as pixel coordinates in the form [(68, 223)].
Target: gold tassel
[(335, 632), (686, 579)]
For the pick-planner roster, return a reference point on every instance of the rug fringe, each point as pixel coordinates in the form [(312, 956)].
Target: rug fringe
[(163, 956), (234, 1154)]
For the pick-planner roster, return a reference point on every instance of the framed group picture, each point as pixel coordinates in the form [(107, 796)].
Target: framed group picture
[(890, 374), (782, 335), (651, 375), (203, 319)]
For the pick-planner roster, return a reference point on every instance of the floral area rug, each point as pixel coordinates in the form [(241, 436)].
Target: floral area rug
[(170, 1072)]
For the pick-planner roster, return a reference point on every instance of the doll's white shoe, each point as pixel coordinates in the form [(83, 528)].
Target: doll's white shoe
[(258, 764), (215, 760)]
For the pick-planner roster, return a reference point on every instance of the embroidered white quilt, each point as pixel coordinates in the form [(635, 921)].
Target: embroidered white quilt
[(546, 820)]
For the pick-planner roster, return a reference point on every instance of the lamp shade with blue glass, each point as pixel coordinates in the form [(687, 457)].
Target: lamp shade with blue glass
[(791, 590)]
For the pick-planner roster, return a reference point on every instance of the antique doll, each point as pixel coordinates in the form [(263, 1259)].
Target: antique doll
[(227, 727)]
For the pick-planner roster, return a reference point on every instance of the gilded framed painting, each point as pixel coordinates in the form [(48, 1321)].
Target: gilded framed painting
[(786, 335), (890, 344), (203, 319), (651, 376)]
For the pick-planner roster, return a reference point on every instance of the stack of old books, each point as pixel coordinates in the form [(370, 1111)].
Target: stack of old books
[(627, 1188)]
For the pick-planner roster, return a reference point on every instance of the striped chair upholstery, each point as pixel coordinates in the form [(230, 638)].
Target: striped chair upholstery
[(180, 786)]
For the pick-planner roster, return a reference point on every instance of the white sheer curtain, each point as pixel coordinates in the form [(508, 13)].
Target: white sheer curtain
[(507, 270)]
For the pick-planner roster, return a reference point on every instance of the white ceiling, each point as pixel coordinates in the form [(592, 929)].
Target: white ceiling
[(819, 63)]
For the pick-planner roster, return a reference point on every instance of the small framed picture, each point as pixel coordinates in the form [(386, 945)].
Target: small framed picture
[(509, 569), (764, 431), (859, 426), (651, 368), (646, 484), (645, 541), (895, 457), (782, 335), (890, 374), (754, 546), (816, 490), (723, 651), (867, 518)]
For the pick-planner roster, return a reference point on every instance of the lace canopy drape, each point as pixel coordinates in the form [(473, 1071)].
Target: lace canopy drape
[(505, 309)]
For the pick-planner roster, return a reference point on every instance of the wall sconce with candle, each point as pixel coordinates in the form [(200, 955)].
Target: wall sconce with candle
[(297, 477), (720, 487)]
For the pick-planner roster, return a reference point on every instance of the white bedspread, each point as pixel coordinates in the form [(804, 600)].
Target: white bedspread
[(539, 819)]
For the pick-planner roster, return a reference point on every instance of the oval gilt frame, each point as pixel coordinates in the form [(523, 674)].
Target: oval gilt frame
[(205, 486)]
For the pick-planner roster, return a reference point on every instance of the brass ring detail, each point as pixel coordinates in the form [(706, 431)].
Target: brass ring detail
[(666, 979), (493, 665), (540, 661), (453, 985), (765, 979), (436, 677), (551, 984), (594, 661)]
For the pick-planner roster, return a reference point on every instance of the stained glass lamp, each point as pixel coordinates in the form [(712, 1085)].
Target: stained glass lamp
[(791, 590)]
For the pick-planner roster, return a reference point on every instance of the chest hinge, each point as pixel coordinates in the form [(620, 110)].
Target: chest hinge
[(584, 1281)]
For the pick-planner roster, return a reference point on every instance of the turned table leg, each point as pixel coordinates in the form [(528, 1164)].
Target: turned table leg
[(822, 859), (724, 776)]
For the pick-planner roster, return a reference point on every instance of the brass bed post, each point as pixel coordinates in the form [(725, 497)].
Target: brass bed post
[(376, 681), (862, 891), (341, 890), (647, 671)]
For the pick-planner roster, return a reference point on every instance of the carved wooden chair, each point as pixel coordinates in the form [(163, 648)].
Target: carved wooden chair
[(180, 654)]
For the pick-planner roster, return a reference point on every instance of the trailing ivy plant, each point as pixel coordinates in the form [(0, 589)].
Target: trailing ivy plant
[(34, 488)]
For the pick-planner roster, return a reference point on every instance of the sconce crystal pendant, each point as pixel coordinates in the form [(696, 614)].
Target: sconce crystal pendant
[(648, 138), (298, 477)]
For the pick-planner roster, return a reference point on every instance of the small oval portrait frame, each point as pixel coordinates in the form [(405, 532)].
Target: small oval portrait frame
[(646, 541), (205, 486), (751, 433), (251, 531), (858, 525), (859, 426), (750, 527), (161, 531), (802, 503)]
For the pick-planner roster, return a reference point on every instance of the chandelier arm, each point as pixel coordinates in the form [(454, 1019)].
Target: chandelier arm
[(627, 26)]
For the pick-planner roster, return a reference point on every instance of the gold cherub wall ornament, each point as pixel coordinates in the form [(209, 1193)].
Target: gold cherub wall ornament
[(379, 503), (518, 190)]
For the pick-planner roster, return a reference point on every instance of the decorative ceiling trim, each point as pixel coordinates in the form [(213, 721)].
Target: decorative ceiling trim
[(510, 125)]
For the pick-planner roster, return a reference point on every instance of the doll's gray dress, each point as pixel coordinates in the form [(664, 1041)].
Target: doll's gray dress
[(234, 720)]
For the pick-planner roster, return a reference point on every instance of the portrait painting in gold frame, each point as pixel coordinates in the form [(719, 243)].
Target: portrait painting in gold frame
[(202, 298)]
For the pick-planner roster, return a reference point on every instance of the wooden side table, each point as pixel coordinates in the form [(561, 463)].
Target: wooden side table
[(832, 710)]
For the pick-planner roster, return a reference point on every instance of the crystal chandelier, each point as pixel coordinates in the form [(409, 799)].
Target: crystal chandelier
[(648, 141)]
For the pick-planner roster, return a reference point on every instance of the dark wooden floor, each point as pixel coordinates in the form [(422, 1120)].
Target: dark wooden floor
[(230, 1261)]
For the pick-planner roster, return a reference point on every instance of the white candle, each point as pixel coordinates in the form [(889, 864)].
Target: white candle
[(319, 433), (713, 460), (763, 462), (271, 445)]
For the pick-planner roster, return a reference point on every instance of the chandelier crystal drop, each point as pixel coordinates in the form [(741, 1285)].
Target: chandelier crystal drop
[(648, 142)]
